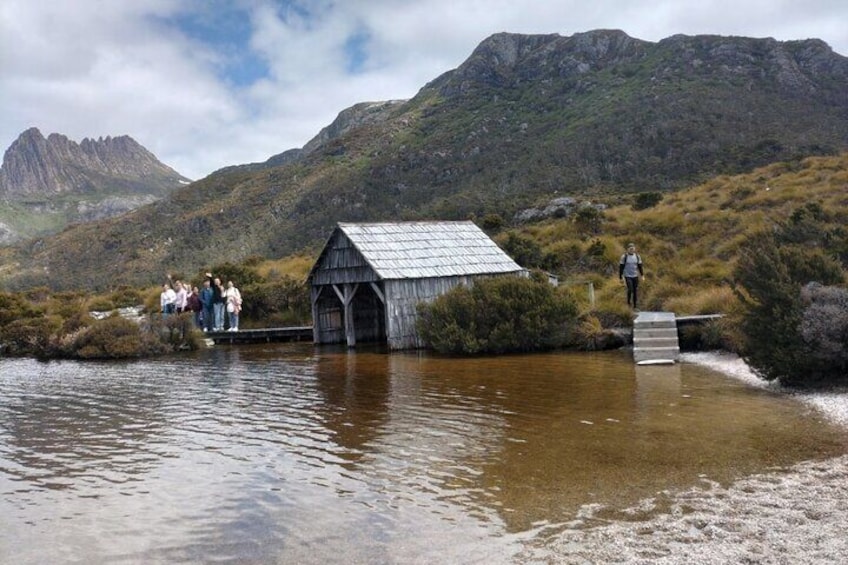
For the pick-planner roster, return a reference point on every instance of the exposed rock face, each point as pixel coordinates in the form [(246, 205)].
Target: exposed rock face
[(34, 165), (513, 60), (356, 116), (47, 183)]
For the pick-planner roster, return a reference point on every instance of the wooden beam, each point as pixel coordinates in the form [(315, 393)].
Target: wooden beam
[(339, 293), (316, 321), (316, 293), (378, 292)]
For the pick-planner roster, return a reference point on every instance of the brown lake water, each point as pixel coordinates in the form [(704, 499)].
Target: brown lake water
[(292, 454)]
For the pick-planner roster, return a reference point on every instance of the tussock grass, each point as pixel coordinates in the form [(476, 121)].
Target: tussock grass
[(294, 266), (690, 240), (714, 300)]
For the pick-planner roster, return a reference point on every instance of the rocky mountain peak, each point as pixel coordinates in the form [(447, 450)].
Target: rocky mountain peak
[(35, 165), (505, 59), (512, 60), (46, 183)]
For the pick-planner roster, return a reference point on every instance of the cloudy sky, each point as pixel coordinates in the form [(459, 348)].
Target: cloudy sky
[(209, 83)]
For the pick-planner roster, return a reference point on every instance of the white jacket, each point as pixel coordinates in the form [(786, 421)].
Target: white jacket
[(233, 298)]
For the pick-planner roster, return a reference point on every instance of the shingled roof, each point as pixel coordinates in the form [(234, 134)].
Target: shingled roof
[(407, 250)]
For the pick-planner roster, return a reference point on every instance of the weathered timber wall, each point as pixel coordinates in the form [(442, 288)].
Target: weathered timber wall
[(402, 298)]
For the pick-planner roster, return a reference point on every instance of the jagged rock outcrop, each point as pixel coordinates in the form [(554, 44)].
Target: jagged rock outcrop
[(47, 183), (508, 60), (34, 165)]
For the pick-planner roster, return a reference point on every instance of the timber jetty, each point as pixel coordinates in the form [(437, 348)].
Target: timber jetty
[(263, 335)]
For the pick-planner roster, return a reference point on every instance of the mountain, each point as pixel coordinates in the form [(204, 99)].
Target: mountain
[(356, 116), (526, 119), (47, 183)]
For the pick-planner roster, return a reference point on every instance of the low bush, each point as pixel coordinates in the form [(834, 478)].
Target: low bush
[(126, 296), (645, 200), (33, 337), (824, 330), (101, 304), (498, 315), (114, 338), (714, 300), (776, 312), (176, 332), (591, 335), (15, 307), (711, 336), (282, 302), (523, 249)]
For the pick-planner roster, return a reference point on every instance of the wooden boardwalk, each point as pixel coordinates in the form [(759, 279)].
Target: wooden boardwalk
[(696, 320), (263, 335)]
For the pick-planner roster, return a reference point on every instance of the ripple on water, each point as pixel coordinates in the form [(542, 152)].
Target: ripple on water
[(289, 453)]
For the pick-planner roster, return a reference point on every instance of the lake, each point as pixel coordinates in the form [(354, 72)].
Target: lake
[(286, 453)]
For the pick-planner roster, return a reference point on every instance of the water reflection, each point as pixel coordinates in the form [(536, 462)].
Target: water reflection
[(108, 430), (285, 453), (356, 397)]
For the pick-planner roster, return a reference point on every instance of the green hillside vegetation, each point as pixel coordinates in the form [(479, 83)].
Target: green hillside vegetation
[(523, 120), (691, 239), (29, 223)]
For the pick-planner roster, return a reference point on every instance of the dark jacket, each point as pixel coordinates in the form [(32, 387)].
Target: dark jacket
[(206, 295), (193, 303)]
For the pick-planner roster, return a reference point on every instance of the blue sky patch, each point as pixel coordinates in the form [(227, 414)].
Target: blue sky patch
[(356, 51), (226, 28)]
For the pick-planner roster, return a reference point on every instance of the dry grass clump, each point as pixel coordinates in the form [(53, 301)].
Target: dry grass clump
[(294, 266), (711, 300)]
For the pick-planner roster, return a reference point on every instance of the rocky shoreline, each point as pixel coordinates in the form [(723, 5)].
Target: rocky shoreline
[(786, 516)]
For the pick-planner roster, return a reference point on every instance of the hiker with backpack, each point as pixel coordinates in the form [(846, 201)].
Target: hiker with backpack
[(629, 270)]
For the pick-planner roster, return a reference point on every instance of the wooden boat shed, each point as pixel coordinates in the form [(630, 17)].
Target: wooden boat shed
[(370, 277)]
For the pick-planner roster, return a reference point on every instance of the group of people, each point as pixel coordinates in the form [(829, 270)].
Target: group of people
[(207, 304)]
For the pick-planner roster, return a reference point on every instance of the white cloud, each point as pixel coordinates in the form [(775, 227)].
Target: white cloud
[(87, 68)]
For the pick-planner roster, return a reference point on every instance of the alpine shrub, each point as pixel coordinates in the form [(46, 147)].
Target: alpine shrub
[(645, 200), (498, 315), (824, 330), (115, 338), (771, 277)]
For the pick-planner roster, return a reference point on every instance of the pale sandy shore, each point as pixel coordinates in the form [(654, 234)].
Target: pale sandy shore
[(790, 516)]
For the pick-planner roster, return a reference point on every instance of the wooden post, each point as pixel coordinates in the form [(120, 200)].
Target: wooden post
[(316, 330), (346, 296), (591, 294)]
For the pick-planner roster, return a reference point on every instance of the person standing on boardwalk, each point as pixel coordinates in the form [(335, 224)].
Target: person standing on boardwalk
[(206, 296), (167, 300), (233, 297), (194, 306), (629, 270), (180, 304), (217, 302)]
